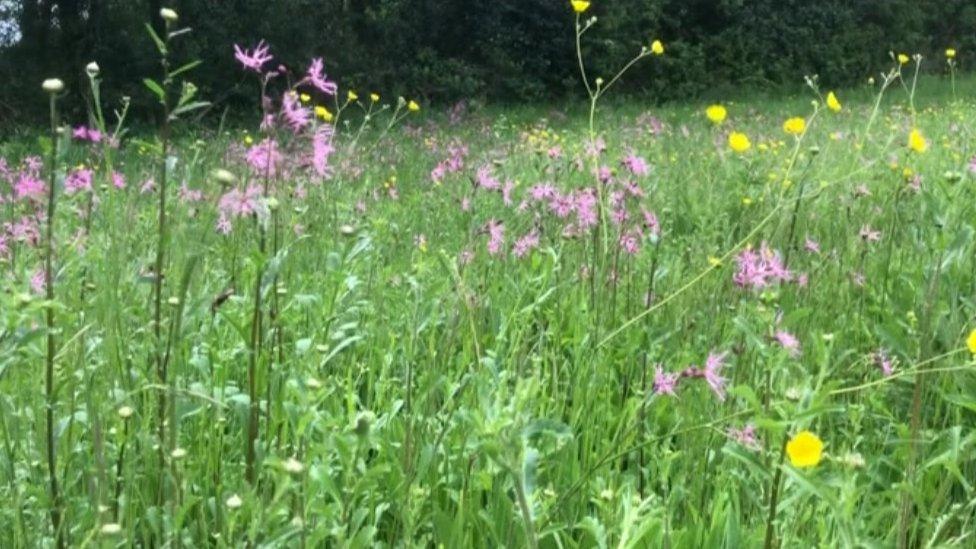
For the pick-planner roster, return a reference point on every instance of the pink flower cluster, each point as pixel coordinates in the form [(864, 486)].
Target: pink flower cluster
[(666, 383), (760, 269)]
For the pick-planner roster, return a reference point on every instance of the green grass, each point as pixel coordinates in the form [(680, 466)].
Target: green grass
[(505, 401)]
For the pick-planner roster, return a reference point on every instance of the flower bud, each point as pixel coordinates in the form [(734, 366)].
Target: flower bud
[(92, 69), (169, 15), (224, 176), (53, 85)]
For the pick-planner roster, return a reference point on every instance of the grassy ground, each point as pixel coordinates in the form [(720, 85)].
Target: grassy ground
[(410, 377)]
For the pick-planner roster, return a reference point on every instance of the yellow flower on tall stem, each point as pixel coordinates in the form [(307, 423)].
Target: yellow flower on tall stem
[(657, 48), (739, 142), (833, 103), (917, 142), (716, 113), (579, 6), (795, 126), (971, 342), (805, 449)]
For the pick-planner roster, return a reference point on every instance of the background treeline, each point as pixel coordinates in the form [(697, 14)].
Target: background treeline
[(499, 50)]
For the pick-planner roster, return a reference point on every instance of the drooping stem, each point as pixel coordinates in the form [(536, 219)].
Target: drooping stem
[(49, 392)]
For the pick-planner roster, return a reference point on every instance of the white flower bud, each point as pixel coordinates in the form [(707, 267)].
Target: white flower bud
[(224, 176), (169, 15), (234, 502), (92, 69), (53, 85)]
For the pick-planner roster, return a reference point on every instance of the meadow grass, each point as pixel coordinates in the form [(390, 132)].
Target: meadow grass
[(422, 376)]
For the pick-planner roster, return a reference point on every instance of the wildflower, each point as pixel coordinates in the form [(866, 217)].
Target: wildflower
[(323, 114), (169, 15), (579, 6), (657, 48), (317, 77), (374, 97), (789, 342), (758, 270), (868, 234), (92, 69), (665, 383), (78, 180), (903, 59), (305, 97), (296, 116), (111, 528), (413, 106), (739, 142), (125, 412), (496, 233), (795, 125), (713, 368), (322, 149), (293, 466), (746, 436), (636, 164), (716, 113), (833, 103), (812, 246), (917, 142), (526, 244), (352, 96), (178, 453), (53, 85), (805, 449), (885, 362), (971, 342), (234, 502), (950, 53), (253, 60)]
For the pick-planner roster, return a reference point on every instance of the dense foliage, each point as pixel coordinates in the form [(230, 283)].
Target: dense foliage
[(509, 50)]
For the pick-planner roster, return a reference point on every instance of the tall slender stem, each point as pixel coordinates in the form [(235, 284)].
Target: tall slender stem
[(52, 458)]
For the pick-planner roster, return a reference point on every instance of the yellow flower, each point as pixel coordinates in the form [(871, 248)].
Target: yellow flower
[(579, 6), (971, 342), (323, 113), (917, 142), (305, 97), (352, 95), (739, 142), (374, 97), (716, 113), (795, 125), (903, 59), (412, 106), (714, 261), (657, 48), (833, 103), (248, 140), (805, 449), (950, 53)]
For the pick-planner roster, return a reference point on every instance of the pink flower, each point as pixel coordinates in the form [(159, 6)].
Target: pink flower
[(253, 60), (38, 281), (316, 76), (758, 270), (526, 244), (296, 116), (630, 242), (637, 165), (651, 223), (78, 180), (812, 246), (322, 149), (885, 362), (264, 157), (496, 233), (746, 436), (712, 373), (789, 342), (486, 180), (118, 180), (665, 383)]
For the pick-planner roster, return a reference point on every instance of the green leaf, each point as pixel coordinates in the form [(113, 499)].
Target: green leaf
[(155, 88), (160, 45)]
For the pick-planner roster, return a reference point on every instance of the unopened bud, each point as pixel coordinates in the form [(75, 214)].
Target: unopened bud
[(169, 15), (53, 85), (92, 69)]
